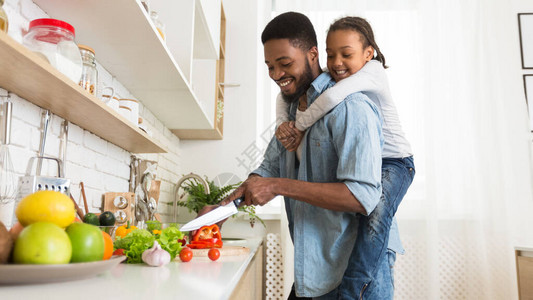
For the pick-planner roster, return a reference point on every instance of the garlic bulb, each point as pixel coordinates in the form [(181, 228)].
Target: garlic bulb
[(156, 256)]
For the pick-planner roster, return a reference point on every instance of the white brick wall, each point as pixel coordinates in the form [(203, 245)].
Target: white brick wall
[(102, 166)]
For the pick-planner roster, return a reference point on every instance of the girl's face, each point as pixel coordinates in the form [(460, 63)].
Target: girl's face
[(345, 52)]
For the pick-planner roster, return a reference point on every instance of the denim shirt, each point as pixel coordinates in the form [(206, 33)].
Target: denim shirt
[(344, 146)]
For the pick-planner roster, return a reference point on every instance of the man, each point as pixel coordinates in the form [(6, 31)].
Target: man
[(336, 175)]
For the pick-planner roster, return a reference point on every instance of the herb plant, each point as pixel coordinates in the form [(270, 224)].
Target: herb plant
[(197, 198)]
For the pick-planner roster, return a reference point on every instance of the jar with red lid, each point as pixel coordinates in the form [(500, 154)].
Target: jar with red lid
[(54, 40)]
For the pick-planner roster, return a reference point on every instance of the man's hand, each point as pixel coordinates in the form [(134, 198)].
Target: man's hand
[(289, 136), (203, 211), (256, 191)]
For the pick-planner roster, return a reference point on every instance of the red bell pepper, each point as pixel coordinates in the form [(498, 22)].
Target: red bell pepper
[(207, 237)]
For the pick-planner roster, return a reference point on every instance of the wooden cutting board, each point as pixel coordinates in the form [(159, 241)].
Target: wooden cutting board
[(224, 251)]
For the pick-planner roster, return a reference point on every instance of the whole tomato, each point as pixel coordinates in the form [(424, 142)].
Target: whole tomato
[(185, 254), (213, 254)]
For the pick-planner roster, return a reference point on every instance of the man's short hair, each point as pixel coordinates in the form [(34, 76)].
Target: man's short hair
[(295, 27)]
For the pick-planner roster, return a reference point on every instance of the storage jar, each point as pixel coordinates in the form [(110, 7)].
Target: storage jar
[(54, 39)]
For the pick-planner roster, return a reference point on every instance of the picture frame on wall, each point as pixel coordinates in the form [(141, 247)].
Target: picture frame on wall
[(528, 90), (525, 29)]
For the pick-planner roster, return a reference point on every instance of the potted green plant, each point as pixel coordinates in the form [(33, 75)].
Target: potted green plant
[(197, 198)]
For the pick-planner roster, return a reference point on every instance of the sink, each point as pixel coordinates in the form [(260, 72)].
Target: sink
[(232, 239)]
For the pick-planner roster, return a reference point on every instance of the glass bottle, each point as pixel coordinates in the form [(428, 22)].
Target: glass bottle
[(89, 74), (3, 18), (158, 24)]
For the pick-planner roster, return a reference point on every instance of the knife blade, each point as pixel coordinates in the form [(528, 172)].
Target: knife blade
[(216, 215)]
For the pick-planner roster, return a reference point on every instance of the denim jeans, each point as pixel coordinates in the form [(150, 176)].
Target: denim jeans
[(369, 274), (384, 275), (366, 276)]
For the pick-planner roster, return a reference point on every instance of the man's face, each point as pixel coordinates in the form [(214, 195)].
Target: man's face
[(289, 67)]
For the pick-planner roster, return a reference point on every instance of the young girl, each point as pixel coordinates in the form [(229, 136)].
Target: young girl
[(350, 48)]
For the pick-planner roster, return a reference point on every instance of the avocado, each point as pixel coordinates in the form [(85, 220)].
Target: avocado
[(91, 218)]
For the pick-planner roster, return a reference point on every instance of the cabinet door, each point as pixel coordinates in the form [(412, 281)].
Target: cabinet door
[(251, 284), (524, 268)]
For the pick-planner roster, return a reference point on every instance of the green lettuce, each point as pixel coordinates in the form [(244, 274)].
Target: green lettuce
[(168, 239), (134, 244), (139, 240)]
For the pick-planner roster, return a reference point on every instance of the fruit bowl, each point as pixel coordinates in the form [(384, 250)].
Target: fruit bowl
[(31, 274)]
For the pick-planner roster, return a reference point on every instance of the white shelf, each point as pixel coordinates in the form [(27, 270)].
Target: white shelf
[(129, 47)]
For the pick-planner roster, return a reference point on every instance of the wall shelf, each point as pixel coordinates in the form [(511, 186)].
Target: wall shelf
[(128, 46), (30, 77)]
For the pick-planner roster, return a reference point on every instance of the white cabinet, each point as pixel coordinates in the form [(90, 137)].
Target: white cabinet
[(175, 79)]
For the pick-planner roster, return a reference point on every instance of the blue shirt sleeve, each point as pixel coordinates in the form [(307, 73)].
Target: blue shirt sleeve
[(270, 165), (357, 137)]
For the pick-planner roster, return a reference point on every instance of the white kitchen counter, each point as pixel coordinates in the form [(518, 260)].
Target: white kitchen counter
[(200, 278)]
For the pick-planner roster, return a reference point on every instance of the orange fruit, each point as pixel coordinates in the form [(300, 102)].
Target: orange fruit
[(108, 245)]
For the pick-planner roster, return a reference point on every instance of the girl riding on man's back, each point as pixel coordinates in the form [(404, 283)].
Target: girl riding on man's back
[(350, 48)]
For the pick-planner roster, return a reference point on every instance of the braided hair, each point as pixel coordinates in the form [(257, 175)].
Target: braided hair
[(364, 29)]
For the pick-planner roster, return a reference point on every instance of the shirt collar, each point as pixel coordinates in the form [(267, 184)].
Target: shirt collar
[(318, 86)]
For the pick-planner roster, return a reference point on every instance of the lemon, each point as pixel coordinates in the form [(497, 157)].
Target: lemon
[(46, 206)]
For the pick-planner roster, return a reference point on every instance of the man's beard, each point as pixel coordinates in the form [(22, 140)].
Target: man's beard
[(306, 78)]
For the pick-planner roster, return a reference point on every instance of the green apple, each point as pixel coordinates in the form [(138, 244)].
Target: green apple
[(42, 243), (87, 242)]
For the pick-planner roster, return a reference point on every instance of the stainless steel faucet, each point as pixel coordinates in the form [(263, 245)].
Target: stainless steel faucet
[(178, 185)]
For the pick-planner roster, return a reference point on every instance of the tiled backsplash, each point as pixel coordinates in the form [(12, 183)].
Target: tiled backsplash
[(102, 166)]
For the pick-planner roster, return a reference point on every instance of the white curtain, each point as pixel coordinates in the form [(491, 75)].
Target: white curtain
[(456, 77)]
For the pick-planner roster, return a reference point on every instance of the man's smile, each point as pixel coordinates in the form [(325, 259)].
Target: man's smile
[(284, 83)]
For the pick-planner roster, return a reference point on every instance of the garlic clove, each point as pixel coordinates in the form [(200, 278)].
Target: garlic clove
[(156, 256)]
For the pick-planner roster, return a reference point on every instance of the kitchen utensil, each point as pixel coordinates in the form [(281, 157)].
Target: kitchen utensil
[(64, 142), (8, 181), (46, 121), (82, 191), (78, 209), (32, 183), (152, 208), (216, 215), (122, 205), (150, 202)]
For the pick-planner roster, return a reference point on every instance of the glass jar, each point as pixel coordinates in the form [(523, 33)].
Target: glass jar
[(89, 74), (158, 24), (54, 39), (3, 18)]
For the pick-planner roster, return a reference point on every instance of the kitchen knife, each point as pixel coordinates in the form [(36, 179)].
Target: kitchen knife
[(216, 215)]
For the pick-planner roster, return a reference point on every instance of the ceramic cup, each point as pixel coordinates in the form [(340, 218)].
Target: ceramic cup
[(125, 112), (110, 99), (133, 105)]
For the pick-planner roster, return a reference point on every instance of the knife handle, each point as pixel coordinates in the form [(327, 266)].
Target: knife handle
[(238, 201)]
